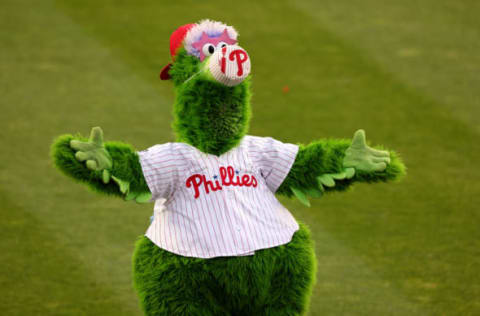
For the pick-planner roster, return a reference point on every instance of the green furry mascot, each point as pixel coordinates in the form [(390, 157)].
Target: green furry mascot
[(220, 243)]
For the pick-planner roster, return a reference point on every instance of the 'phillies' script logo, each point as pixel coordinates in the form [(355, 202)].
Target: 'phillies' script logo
[(227, 178)]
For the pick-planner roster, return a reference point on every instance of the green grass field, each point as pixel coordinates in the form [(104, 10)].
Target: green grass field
[(405, 71)]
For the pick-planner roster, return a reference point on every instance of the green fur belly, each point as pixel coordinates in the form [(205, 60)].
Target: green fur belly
[(250, 285)]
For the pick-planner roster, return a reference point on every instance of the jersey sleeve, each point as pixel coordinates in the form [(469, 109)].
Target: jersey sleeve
[(273, 158), (160, 165)]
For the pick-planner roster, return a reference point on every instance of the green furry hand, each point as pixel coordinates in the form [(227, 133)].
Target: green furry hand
[(363, 158), (94, 154)]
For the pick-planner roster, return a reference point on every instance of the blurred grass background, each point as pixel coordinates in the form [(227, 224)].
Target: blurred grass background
[(405, 71)]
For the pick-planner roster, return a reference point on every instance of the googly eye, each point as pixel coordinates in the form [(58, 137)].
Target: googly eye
[(221, 44), (208, 49)]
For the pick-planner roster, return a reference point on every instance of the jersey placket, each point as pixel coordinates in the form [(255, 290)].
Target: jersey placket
[(218, 199), (231, 204), (246, 193)]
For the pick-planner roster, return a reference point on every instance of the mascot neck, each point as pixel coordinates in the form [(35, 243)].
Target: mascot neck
[(211, 117)]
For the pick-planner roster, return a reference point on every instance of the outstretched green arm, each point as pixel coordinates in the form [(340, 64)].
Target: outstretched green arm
[(112, 168), (333, 165)]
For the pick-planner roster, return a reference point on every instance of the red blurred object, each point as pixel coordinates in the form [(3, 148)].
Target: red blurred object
[(285, 89), (164, 75), (176, 40)]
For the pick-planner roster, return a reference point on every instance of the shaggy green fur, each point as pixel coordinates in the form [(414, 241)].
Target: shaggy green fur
[(275, 281), (184, 67), (208, 115), (126, 166), (326, 157)]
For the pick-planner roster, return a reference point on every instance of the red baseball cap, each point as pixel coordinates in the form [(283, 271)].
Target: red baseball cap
[(176, 41)]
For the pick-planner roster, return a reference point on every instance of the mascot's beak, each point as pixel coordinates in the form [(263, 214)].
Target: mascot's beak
[(164, 75), (229, 65)]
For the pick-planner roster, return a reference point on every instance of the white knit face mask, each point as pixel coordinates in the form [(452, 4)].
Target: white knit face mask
[(229, 66)]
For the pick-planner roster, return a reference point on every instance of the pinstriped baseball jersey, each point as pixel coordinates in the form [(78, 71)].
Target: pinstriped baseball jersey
[(209, 206)]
